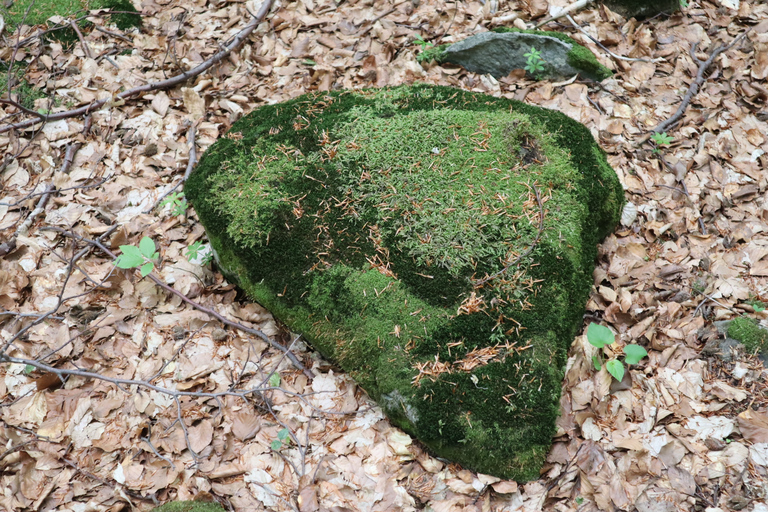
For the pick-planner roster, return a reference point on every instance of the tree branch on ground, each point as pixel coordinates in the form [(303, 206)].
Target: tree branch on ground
[(693, 89), (238, 40)]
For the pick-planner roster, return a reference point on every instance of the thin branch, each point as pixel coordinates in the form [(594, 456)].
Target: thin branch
[(565, 11), (693, 89), (609, 52), (191, 161), (290, 355), (120, 98), (110, 33), (86, 48)]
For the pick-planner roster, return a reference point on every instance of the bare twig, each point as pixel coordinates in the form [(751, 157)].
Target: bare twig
[(609, 52), (292, 357), (566, 10), (118, 99), (110, 33), (191, 161), (86, 48), (693, 89)]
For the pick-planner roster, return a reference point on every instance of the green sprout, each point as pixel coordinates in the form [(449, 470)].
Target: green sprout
[(178, 203), (283, 438), (661, 139), (535, 63), (194, 252), (601, 336), (138, 257), (757, 305)]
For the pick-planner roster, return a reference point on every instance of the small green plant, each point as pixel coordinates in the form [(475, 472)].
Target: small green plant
[(274, 380), (141, 257), (194, 252), (579, 500), (535, 63), (283, 438), (684, 4), (661, 139), (756, 304), (425, 45), (178, 203), (601, 336)]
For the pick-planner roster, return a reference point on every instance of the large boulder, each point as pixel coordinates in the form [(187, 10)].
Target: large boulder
[(436, 244)]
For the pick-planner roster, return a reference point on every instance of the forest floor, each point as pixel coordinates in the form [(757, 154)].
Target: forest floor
[(689, 432)]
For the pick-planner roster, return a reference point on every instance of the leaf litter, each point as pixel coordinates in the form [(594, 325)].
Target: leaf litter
[(686, 429)]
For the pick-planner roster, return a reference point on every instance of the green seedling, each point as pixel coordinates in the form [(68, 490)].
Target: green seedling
[(178, 203), (274, 380), (756, 304), (535, 63), (141, 257), (283, 438), (661, 139), (421, 42), (601, 336), (194, 252)]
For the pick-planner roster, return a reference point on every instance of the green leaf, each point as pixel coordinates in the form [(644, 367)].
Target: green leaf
[(758, 307), (599, 335), (29, 369), (193, 250), (615, 368), (147, 247), (147, 268), (131, 257), (596, 362), (274, 380), (276, 445), (634, 354), (283, 434), (662, 139)]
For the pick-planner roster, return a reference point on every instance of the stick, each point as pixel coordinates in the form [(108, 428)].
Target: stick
[(598, 43), (118, 99), (290, 355), (573, 7), (693, 89), (86, 48), (192, 160)]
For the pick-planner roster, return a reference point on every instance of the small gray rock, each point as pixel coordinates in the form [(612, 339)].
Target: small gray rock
[(498, 53)]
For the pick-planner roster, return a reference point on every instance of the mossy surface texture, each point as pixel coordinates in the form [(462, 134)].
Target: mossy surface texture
[(579, 57), (749, 332), (189, 506), (41, 10), (436, 244)]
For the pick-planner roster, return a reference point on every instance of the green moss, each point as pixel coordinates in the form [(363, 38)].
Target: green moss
[(368, 220), (25, 93), (579, 57), (41, 10), (433, 53), (189, 506), (749, 332)]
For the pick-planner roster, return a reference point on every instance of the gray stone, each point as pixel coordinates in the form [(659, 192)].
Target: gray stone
[(498, 53)]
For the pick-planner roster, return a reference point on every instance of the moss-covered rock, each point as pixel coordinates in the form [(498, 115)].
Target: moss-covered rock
[(436, 244), (189, 506), (749, 333), (500, 51)]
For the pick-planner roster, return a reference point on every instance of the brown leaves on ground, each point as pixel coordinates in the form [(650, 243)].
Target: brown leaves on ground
[(685, 431)]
